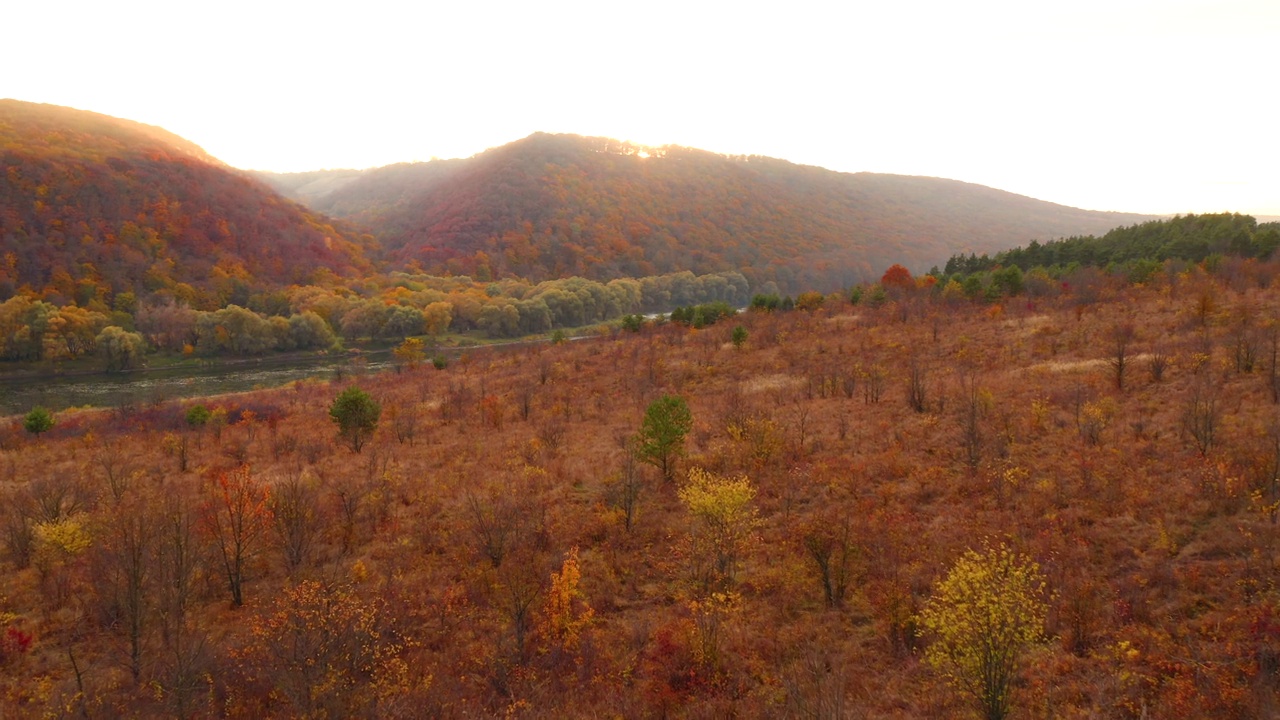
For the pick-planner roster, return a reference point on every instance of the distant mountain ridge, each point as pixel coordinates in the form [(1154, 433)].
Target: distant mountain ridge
[(555, 205), (92, 206)]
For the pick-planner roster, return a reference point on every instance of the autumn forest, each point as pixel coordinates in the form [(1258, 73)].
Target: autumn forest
[(779, 442)]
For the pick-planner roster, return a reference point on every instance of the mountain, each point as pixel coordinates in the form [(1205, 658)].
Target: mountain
[(555, 205), (92, 206)]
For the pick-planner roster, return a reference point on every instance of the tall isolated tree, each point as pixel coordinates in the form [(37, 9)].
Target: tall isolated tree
[(1121, 335), (237, 517), (295, 507), (356, 414), (661, 441), (982, 618), (624, 490), (566, 613), (829, 546)]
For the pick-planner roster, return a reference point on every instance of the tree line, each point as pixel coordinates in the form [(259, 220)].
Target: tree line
[(313, 317), (1192, 238)]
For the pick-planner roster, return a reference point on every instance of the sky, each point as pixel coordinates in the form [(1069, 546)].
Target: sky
[(1152, 106)]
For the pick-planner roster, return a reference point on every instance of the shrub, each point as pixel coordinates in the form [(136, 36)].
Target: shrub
[(356, 414), (38, 421)]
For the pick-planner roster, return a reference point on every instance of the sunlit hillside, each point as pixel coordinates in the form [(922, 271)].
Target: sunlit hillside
[(93, 206)]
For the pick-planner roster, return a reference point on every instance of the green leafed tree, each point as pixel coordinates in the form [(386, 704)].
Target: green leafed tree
[(120, 349), (38, 421), (198, 416), (661, 441), (981, 619), (356, 414)]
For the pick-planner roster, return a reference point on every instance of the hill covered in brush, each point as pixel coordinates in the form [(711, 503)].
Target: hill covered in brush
[(552, 206), (93, 206)]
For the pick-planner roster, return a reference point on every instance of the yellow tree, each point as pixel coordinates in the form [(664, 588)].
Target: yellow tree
[(59, 546), (722, 506), (437, 316), (982, 617), (410, 353), (327, 652), (566, 613)]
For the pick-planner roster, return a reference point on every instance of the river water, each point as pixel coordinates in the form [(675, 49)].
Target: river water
[(20, 394)]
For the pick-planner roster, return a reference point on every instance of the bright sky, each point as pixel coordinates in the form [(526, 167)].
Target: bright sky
[(1155, 106)]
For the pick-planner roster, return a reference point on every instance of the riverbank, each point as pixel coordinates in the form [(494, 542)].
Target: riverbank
[(83, 384)]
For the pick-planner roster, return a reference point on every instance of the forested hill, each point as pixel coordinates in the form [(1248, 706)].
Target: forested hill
[(558, 205), (92, 206), (1186, 237)]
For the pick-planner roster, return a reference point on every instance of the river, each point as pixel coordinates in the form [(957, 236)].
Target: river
[(19, 394)]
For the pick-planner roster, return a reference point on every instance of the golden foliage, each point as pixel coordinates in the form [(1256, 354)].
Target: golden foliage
[(566, 612), (981, 619)]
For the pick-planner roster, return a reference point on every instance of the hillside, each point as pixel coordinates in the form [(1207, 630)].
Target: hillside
[(92, 206), (555, 205), (495, 548)]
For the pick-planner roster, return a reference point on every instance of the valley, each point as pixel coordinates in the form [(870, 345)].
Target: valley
[(343, 460)]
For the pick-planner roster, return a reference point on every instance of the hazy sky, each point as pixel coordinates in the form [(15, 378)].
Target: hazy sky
[(1156, 106)]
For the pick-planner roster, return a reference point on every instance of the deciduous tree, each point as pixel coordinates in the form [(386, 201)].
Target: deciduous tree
[(722, 507), (410, 353), (295, 510), (120, 349), (828, 543), (125, 561), (327, 652), (898, 277), (982, 618), (566, 613), (236, 516)]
